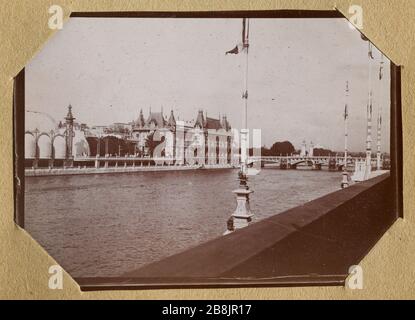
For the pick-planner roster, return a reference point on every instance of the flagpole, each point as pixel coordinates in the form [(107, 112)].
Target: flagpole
[(379, 124), (244, 131), (368, 166)]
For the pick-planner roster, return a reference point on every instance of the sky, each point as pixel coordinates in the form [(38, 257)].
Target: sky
[(110, 68)]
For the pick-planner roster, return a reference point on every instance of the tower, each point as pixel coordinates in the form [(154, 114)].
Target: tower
[(69, 135)]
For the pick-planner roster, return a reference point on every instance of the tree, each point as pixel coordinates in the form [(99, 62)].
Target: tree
[(115, 146), (282, 148), (320, 152)]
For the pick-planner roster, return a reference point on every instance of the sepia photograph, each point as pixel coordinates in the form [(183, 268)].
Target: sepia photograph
[(173, 151)]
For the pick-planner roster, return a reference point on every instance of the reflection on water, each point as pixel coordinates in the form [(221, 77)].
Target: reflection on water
[(105, 225)]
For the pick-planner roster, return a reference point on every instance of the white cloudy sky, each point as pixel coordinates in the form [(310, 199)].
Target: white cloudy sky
[(109, 68)]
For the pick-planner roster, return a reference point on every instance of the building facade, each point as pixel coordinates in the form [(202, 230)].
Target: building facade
[(205, 141)]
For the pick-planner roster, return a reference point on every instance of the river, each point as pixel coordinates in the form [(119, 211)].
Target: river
[(105, 225)]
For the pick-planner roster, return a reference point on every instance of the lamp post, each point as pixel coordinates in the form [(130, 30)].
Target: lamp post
[(242, 215)]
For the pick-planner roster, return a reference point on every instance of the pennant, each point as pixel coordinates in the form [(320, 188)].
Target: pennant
[(233, 51), (346, 113)]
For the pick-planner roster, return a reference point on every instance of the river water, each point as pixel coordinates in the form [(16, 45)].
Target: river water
[(108, 224)]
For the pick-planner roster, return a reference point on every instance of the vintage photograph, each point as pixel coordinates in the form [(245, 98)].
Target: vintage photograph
[(165, 150)]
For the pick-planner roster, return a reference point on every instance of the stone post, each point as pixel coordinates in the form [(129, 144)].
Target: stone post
[(242, 215)]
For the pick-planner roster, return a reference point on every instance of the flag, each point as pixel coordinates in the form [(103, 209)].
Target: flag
[(245, 34), (364, 38), (381, 69), (369, 109), (370, 53), (346, 113)]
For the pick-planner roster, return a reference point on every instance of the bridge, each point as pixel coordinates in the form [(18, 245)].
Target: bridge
[(138, 161), (316, 162), (284, 162)]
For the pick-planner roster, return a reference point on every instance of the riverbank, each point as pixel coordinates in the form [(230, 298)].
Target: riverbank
[(39, 172)]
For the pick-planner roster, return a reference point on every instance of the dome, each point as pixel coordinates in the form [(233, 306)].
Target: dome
[(39, 120)]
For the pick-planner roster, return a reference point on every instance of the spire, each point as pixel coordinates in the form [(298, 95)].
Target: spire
[(69, 116), (224, 123), (172, 120), (200, 119), (140, 121)]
